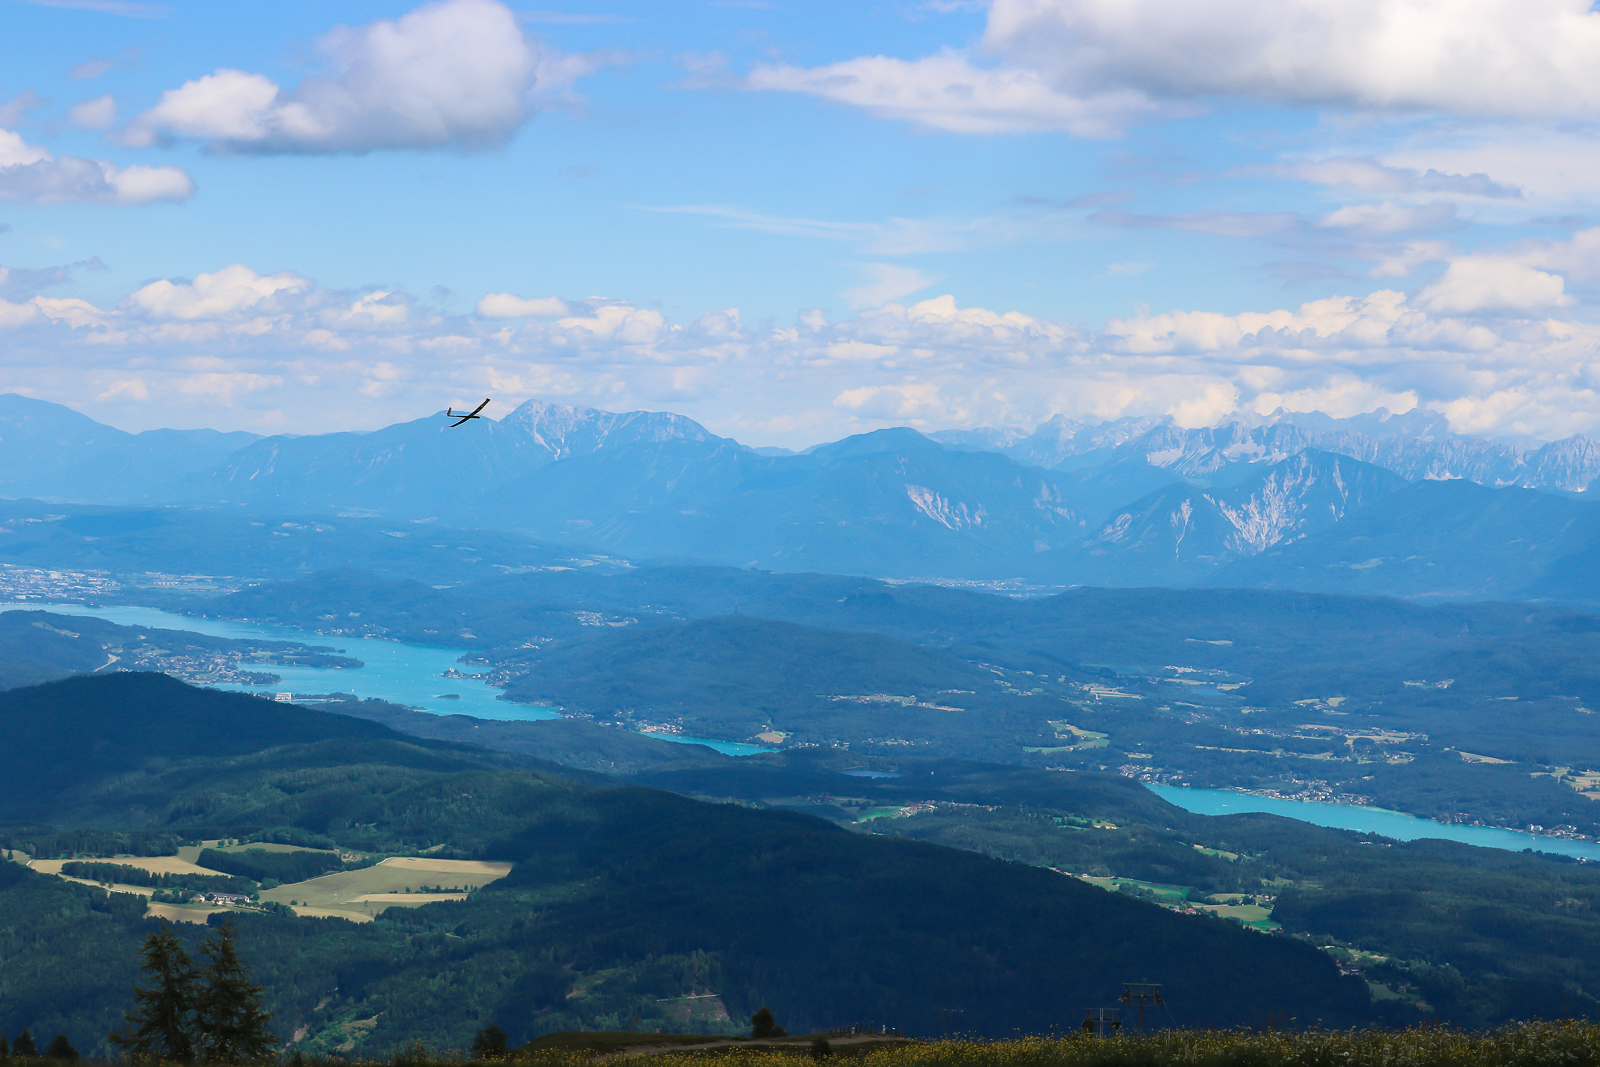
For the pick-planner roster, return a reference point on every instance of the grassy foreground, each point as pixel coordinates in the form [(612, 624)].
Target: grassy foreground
[(1565, 1043), (1569, 1044)]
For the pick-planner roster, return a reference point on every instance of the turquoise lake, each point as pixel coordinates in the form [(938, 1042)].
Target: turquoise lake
[(1393, 824), (412, 675)]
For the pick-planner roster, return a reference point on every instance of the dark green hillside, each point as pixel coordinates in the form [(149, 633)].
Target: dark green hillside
[(788, 909), (733, 659), (507, 608), (1443, 677), (854, 926), (573, 743), (39, 646), (734, 677), (1476, 936), (372, 795), (68, 955), (925, 613), (800, 778), (1487, 936), (624, 897), (67, 738)]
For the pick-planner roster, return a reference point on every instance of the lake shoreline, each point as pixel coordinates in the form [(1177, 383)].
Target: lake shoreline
[(1381, 822)]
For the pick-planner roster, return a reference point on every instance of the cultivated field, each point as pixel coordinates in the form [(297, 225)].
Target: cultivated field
[(397, 881), (183, 913), (469, 868), (153, 864)]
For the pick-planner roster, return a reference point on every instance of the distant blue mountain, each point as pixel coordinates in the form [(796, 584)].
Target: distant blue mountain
[(1181, 533), (420, 469), (425, 468), (1415, 445), (1439, 541), (52, 452), (887, 503), (1287, 500)]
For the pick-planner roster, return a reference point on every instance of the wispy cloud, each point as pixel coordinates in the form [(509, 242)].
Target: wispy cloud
[(126, 8), (99, 113), (778, 224), (14, 110), (563, 18), (1216, 223), (22, 283), (949, 92), (886, 282), (895, 236), (95, 67), (1371, 176)]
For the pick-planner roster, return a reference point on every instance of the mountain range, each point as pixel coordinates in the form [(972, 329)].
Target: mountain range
[(1416, 445), (51, 452), (1268, 501)]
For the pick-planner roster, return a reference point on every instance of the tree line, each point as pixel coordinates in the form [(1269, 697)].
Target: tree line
[(188, 1013)]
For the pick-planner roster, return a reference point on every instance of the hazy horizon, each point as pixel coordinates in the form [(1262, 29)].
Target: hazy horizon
[(796, 223)]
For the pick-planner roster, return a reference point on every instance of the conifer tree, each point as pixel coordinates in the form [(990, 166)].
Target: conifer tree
[(160, 1024), (490, 1044), (23, 1046), (61, 1049), (5, 1047), (762, 1024), (230, 1025)]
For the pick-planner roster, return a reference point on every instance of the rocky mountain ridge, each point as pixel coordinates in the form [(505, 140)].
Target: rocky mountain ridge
[(1177, 534), (1126, 502), (1417, 445)]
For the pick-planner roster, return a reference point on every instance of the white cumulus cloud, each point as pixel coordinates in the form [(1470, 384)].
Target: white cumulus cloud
[(1089, 67), (1495, 342), (219, 295), (452, 74), (1494, 283), (32, 174), (507, 306), (1480, 57)]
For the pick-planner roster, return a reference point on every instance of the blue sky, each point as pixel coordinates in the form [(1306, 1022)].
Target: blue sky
[(794, 221)]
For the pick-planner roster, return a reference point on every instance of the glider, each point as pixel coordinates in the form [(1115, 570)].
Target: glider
[(451, 413)]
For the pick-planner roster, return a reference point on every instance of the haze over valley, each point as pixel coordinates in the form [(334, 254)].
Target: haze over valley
[(950, 533)]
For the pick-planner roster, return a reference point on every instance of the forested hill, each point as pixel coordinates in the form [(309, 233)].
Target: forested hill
[(66, 739), (620, 898)]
